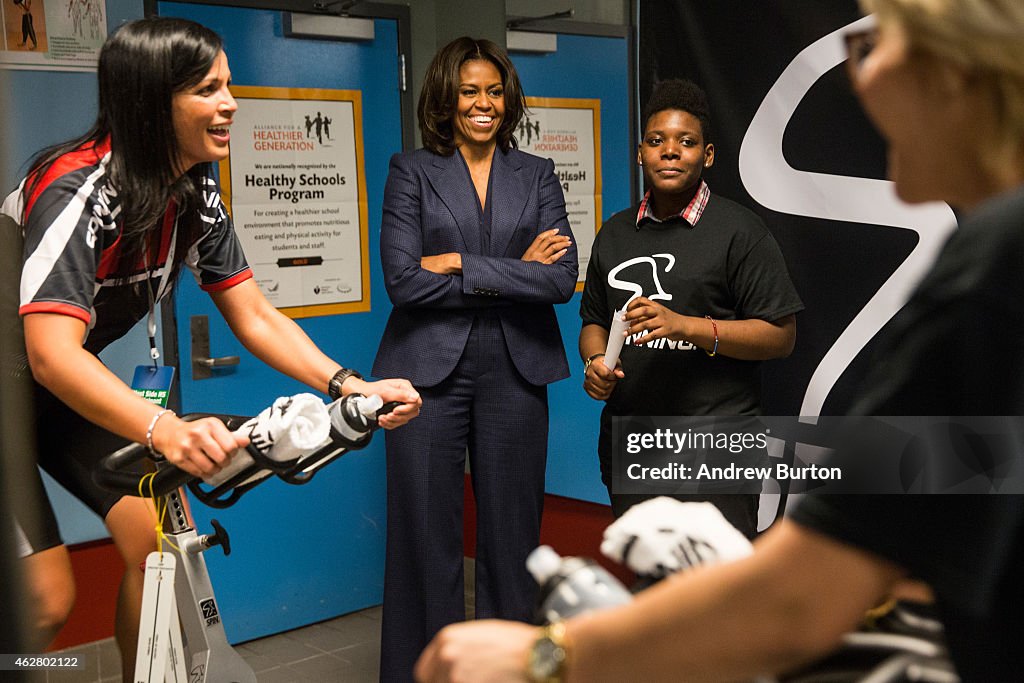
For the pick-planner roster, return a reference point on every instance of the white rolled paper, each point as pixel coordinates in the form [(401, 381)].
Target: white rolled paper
[(616, 336)]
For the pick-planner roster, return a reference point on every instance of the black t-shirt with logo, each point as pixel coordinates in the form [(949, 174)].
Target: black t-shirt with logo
[(727, 266)]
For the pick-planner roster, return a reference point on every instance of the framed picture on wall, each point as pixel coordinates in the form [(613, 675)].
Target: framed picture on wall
[(295, 186)]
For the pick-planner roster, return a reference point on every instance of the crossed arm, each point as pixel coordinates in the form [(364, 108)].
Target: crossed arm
[(545, 273)]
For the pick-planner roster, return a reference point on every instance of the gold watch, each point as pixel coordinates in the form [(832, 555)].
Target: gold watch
[(589, 360), (549, 655)]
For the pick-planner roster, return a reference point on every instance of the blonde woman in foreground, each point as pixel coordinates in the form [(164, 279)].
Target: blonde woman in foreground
[(943, 80)]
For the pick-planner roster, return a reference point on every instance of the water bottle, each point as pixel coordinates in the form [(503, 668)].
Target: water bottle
[(353, 417), (572, 585), (283, 432)]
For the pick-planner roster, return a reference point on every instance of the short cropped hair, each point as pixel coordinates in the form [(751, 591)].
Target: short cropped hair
[(680, 95), (440, 94)]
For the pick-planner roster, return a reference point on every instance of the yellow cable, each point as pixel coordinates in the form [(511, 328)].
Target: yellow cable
[(162, 506), (148, 479), (159, 511)]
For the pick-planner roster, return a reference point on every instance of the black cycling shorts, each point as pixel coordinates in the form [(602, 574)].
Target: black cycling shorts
[(68, 447)]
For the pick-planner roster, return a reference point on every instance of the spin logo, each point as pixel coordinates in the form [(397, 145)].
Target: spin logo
[(776, 185), (209, 609)]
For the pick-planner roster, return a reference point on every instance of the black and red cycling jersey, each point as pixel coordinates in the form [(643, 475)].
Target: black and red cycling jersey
[(71, 263)]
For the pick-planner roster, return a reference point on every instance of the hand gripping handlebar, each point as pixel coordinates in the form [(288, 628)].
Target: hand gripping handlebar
[(351, 429)]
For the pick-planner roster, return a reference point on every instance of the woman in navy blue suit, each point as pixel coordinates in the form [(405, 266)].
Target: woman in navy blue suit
[(476, 247)]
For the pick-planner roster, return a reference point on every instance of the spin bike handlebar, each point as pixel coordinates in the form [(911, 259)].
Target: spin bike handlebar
[(114, 471)]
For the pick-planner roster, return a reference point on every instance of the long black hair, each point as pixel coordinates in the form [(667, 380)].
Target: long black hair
[(440, 94), (141, 67)]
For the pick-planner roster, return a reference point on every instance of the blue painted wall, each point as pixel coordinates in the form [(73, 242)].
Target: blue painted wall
[(586, 67)]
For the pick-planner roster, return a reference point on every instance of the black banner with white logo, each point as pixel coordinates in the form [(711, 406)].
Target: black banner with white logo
[(793, 145)]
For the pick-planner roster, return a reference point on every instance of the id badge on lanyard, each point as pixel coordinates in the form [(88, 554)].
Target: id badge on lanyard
[(153, 382)]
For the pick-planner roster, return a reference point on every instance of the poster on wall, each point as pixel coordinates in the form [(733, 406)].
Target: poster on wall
[(63, 35), (568, 131), (294, 185)]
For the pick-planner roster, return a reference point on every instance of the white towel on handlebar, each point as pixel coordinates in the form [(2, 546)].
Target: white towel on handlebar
[(662, 536), (290, 428)]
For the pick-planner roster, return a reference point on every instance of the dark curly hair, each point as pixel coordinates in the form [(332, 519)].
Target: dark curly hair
[(440, 93), (681, 95)]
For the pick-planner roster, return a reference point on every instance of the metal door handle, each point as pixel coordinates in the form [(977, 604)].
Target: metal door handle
[(222, 362), (202, 362)]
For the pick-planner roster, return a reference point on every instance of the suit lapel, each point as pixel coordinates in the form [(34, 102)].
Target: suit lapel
[(450, 180), (509, 194)]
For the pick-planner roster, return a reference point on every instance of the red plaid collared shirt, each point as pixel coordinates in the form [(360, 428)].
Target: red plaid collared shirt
[(691, 214)]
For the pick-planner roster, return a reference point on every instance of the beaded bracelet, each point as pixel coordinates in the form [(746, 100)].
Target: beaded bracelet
[(151, 427), (714, 327)]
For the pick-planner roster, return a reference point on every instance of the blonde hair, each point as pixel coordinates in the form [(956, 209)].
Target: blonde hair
[(984, 38)]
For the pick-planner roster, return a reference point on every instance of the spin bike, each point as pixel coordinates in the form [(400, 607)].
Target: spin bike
[(208, 656)]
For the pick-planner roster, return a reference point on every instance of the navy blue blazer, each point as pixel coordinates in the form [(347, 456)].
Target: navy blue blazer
[(430, 208)]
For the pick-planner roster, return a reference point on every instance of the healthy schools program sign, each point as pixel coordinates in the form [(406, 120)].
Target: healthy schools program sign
[(294, 184)]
